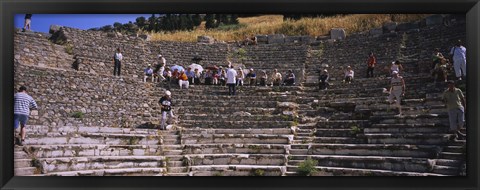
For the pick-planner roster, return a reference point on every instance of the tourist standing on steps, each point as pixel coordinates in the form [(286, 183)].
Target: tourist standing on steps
[(458, 54), (166, 103), (21, 110), (148, 72), (160, 67), (371, 62), (117, 60), (28, 22), (231, 80), (456, 106), (397, 90)]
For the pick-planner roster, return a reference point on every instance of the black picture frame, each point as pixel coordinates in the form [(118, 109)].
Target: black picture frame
[(8, 8)]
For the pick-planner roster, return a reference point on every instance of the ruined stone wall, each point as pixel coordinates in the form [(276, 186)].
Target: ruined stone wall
[(103, 100), (35, 49)]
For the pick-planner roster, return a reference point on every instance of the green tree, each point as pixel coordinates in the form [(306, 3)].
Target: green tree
[(141, 22), (151, 22), (197, 20), (209, 21)]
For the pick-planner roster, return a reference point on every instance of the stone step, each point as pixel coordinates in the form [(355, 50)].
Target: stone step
[(231, 117), (446, 170), (339, 171), (234, 124), (452, 156), (448, 162), (370, 162), (298, 151), (96, 138), (407, 128), (177, 169), (111, 172), (454, 149), (85, 150), (177, 174), (271, 96), (396, 150), (172, 152), (408, 138), (341, 124), (26, 171), (236, 139), (199, 109), (229, 148), (334, 132), (225, 103), (411, 119), (339, 140), (22, 163), (63, 130), (61, 164), (237, 170), (175, 164), (238, 159), (272, 131), (20, 155)]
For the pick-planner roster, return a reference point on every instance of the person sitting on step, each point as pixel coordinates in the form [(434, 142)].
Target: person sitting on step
[(223, 78), (190, 75), (148, 72), (263, 78), (208, 77), (276, 78), (349, 74), (183, 79), (289, 78), (240, 77), (252, 77), (323, 80), (196, 77)]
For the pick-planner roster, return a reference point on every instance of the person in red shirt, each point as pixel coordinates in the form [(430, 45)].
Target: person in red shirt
[(371, 62)]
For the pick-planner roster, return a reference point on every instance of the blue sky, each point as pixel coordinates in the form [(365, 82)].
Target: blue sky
[(42, 22)]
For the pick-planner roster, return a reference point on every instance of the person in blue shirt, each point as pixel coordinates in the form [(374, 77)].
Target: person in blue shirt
[(148, 73), (191, 75), (252, 77)]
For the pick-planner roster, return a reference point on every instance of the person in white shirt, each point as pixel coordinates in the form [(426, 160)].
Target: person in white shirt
[(349, 74), (397, 90), (117, 60), (459, 60), (148, 73), (231, 80), (160, 67), (276, 78)]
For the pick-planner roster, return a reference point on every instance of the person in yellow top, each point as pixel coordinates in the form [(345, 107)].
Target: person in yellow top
[(183, 79)]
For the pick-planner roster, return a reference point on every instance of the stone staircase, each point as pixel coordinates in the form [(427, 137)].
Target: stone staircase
[(88, 124)]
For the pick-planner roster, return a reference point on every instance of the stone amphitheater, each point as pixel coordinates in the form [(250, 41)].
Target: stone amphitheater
[(90, 123)]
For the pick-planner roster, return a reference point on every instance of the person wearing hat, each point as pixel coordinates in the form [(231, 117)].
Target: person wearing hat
[(252, 77), (276, 77), (148, 73), (289, 78), (456, 106), (323, 80), (166, 108), (437, 57), (459, 55), (349, 74), (263, 78), (397, 90)]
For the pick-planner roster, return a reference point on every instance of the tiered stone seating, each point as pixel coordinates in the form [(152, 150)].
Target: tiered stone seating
[(350, 129)]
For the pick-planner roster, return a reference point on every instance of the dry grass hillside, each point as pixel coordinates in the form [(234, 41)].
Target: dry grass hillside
[(274, 24)]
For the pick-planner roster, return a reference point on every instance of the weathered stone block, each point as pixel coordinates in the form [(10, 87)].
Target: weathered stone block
[(338, 34), (205, 39), (262, 39), (434, 20), (407, 26), (54, 28), (376, 32), (293, 39), (276, 39), (390, 26)]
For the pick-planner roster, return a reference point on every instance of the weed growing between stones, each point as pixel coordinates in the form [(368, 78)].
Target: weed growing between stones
[(258, 172), (354, 130), (69, 49), (78, 114), (218, 174), (133, 140), (307, 168), (256, 148)]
